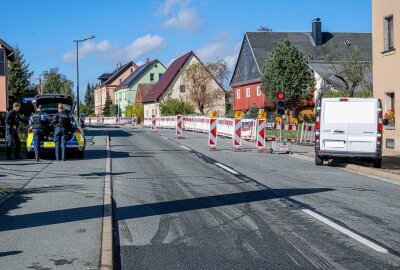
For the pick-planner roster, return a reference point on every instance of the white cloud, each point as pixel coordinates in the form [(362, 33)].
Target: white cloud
[(168, 5), (87, 48), (186, 19), (221, 49), (106, 50), (142, 45)]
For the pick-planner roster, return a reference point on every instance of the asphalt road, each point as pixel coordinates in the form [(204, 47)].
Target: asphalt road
[(194, 209), (55, 221)]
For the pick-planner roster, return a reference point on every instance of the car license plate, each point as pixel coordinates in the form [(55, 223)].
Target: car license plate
[(334, 144)]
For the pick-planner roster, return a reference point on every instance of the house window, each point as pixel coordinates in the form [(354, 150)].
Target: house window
[(238, 94), (388, 38), (258, 91), (389, 101), (182, 88), (151, 77), (160, 75), (131, 70), (247, 92)]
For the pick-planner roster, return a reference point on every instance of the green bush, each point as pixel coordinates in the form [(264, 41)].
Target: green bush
[(135, 109), (175, 106)]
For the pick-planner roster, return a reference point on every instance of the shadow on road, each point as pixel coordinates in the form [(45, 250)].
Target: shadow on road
[(15, 222), (10, 253)]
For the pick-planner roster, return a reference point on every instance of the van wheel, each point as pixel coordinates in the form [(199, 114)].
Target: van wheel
[(377, 163), (319, 160)]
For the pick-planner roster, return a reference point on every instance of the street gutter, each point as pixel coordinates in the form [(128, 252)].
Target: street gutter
[(107, 260)]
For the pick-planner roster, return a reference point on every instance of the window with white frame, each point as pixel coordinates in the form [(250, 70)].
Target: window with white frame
[(238, 94), (388, 38), (258, 90), (247, 92)]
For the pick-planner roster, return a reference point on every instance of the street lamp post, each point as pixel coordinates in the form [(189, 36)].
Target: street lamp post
[(77, 67)]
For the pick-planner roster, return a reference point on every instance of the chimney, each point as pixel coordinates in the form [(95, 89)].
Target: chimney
[(316, 32), (147, 60)]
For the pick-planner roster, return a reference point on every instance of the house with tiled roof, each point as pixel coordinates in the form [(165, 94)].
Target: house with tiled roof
[(6, 54), (142, 90), (108, 82), (258, 46), (150, 72), (171, 85)]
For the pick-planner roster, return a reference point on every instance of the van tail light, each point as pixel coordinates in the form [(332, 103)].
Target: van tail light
[(380, 127), (380, 123), (344, 99), (378, 140), (317, 122)]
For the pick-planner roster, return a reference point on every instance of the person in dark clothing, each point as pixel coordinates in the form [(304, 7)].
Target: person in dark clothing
[(12, 138), (39, 122), (62, 123)]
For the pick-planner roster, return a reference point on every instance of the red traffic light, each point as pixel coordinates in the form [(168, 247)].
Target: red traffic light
[(280, 95)]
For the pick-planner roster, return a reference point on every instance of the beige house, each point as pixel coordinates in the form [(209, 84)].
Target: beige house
[(171, 85), (386, 66), (6, 54), (109, 83)]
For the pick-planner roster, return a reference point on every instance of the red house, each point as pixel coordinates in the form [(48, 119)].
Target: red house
[(258, 46)]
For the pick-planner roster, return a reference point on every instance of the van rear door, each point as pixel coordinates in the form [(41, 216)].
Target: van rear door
[(334, 129), (363, 131)]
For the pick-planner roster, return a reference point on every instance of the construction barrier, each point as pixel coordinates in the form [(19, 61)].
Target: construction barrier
[(179, 126), (153, 123), (237, 135), (212, 137), (307, 134), (134, 120), (261, 125)]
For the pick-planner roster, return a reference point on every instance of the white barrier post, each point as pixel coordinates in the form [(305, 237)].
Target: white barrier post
[(237, 134), (179, 126), (153, 123)]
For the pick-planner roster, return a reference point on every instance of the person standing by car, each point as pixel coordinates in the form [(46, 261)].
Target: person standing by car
[(62, 123), (39, 121), (12, 138)]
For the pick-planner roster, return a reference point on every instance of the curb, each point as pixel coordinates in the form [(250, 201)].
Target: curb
[(357, 169), (107, 259)]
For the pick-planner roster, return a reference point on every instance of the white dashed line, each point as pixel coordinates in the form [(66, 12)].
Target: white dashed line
[(184, 147), (226, 168), (165, 138), (347, 232)]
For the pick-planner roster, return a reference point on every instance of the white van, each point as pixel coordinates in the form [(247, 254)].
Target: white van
[(348, 127)]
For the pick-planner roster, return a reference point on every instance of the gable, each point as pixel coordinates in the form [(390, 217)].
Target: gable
[(246, 69)]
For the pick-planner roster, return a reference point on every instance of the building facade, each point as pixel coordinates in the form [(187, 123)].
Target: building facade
[(386, 67), (258, 46), (171, 85), (149, 72), (6, 54), (108, 83)]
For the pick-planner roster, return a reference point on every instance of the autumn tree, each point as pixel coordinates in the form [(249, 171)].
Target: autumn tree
[(201, 90), (287, 70), (264, 29), (351, 69), (56, 83), (135, 109)]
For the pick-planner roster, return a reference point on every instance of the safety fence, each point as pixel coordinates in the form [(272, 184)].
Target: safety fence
[(110, 120), (303, 133)]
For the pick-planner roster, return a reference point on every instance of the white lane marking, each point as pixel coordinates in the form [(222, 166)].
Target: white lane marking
[(346, 231), (165, 138), (226, 168), (184, 147)]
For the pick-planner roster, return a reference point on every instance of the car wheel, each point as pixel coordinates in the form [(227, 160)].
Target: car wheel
[(30, 155), (377, 163), (319, 160), (81, 154)]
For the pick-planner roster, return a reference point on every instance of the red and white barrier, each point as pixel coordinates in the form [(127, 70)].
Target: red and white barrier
[(179, 126), (153, 123), (237, 135), (212, 135), (134, 120), (261, 125), (307, 133)]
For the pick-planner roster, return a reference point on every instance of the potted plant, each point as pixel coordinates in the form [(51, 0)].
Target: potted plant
[(389, 118)]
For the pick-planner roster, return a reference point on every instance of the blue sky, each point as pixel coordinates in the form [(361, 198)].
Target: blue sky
[(134, 30)]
